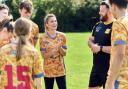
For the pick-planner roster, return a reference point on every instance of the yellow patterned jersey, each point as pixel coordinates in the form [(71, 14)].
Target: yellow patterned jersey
[(53, 65), (34, 34), (19, 74), (3, 42), (120, 36)]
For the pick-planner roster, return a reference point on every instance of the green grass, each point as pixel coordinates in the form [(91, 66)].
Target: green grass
[(78, 61)]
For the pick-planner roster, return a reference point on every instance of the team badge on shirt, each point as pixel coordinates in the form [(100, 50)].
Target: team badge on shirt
[(98, 29), (107, 31)]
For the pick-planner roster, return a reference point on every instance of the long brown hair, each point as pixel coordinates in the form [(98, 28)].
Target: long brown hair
[(22, 29)]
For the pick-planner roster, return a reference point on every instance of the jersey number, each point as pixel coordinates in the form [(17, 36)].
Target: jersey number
[(21, 76)]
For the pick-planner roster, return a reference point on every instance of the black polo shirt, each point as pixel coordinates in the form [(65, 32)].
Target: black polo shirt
[(102, 36)]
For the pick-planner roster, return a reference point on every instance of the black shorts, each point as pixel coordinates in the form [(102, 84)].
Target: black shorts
[(97, 79)]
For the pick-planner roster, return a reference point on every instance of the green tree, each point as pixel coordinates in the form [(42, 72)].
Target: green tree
[(72, 17), (39, 15), (13, 5)]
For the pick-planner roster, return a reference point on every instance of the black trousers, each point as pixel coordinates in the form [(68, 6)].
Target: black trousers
[(61, 82)]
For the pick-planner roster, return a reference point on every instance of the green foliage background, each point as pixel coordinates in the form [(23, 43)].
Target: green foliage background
[(72, 15)]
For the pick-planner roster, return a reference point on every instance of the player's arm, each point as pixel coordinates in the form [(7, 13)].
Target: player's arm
[(63, 48), (37, 71), (91, 38), (36, 35), (0, 64), (106, 49), (44, 53), (95, 47), (90, 41), (120, 42), (115, 65), (38, 82)]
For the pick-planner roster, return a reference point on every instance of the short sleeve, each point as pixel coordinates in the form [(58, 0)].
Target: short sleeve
[(0, 60), (64, 41), (35, 31), (42, 44), (119, 34), (94, 28), (37, 67)]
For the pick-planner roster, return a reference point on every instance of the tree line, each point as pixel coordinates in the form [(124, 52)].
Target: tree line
[(71, 16)]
